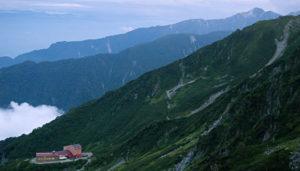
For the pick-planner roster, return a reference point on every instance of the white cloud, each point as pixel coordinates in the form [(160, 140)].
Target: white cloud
[(126, 29), (20, 119), (162, 9), (61, 5)]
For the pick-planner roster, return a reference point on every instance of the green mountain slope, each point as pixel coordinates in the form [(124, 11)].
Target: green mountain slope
[(229, 106), (254, 126), (69, 83)]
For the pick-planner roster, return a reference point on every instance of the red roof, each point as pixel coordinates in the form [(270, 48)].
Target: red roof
[(73, 145), (64, 153)]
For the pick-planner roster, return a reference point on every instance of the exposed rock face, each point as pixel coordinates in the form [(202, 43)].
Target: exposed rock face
[(184, 162), (210, 101), (281, 44), (119, 163), (295, 161)]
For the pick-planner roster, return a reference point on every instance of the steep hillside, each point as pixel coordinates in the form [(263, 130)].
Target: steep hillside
[(230, 105), (69, 83), (117, 43), (254, 126)]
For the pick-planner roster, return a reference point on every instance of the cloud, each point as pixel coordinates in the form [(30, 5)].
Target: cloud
[(61, 5), (164, 10), (20, 119), (127, 28)]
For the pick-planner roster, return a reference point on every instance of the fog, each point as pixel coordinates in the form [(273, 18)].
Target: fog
[(22, 118)]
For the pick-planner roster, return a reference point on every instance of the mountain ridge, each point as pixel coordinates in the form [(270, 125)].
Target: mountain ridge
[(149, 130), (90, 77), (117, 43)]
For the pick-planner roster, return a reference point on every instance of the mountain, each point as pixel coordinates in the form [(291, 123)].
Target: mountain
[(71, 82), (117, 43), (231, 105), (6, 61), (294, 13)]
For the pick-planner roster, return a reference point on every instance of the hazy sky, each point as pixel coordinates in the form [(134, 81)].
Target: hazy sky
[(159, 10), (98, 18)]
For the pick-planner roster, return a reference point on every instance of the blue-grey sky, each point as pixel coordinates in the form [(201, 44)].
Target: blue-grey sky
[(98, 18), (160, 11)]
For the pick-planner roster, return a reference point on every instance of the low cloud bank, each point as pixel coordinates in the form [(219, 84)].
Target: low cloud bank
[(20, 119)]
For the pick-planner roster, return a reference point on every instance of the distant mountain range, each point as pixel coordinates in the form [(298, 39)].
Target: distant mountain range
[(232, 105), (68, 83), (6, 61), (294, 13), (117, 43)]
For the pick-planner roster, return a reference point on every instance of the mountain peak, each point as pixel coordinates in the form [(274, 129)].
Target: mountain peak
[(253, 13), (257, 10)]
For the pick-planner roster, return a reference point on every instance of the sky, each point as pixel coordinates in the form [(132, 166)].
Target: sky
[(20, 119), (159, 10), (90, 19)]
